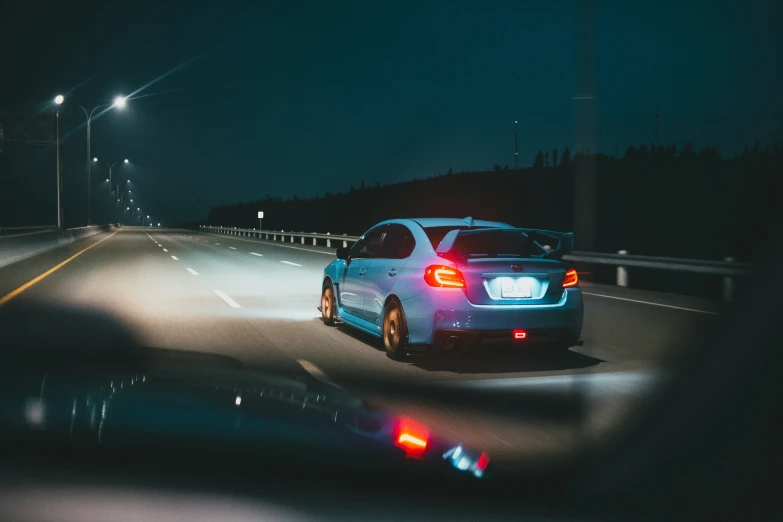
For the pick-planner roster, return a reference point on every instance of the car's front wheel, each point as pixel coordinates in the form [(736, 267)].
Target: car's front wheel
[(395, 331), (327, 304)]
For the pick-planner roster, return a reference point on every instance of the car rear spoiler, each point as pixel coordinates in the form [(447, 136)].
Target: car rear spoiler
[(563, 241)]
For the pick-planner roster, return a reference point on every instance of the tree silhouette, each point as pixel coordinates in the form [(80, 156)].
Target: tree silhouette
[(496, 167), (546, 159), (566, 159), (539, 161), (554, 158), (363, 186)]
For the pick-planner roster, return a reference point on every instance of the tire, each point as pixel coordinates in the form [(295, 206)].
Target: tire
[(327, 304), (395, 331)]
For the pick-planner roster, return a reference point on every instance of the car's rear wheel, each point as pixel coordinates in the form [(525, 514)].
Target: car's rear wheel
[(327, 304), (395, 331)]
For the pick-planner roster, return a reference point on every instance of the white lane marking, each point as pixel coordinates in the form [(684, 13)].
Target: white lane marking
[(165, 250), (218, 244), (254, 254), (654, 304), (175, 258), (290, 263), (231, 302), (316, 372), (159, 244), (192, 271), (270, 243), (232, 248)]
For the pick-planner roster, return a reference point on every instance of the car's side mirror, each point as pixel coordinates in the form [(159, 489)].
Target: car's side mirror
[(343, 253)]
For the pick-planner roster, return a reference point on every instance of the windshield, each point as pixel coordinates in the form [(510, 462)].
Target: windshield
[(262, 187)]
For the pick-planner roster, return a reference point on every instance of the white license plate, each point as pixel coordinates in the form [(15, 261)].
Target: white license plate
[(515, 289)]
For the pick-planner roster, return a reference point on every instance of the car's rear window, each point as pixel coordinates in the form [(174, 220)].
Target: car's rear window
[(436, 234), (497, 243)]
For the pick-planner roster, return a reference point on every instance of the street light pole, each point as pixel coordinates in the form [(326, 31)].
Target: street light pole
[(59, 209)]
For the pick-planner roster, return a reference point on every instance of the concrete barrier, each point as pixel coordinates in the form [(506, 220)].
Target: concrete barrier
[(18, 248)]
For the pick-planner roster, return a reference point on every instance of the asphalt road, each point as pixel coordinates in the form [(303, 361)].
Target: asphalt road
[(253, 303)]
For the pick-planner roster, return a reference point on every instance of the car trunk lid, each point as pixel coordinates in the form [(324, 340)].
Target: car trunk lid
[(508, 266)]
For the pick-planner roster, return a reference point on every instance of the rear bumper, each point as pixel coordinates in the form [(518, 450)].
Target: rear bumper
[(427, 319), (566, 336)]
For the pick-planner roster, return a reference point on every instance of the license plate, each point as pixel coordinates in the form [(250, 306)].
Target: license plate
[(515, 289)]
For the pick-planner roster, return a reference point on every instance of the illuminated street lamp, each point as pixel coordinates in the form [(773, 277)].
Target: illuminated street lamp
[(120, 102), (95, 160), (126, 161)]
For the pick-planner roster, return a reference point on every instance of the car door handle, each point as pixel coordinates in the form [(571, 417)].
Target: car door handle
[(392, 272), (362, 271)]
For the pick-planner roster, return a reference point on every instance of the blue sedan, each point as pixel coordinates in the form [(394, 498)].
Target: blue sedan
[(447, 282)]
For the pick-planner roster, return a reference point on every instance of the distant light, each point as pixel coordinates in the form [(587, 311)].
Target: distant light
[(127, 208), (148, 217), (59, 99), (158, 224), (238, 400), (131, 201), (120, 102), (129, 182), (107, 179), (126, 160), (137, 208), (95, 160)]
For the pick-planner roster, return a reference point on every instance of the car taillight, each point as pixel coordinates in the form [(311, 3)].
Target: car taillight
[(570, 279), (411, 437), (444, 276)]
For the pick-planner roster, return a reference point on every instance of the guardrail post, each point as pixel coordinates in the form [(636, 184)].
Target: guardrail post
[(292, 239), (328, 241), (728, 283), (314, 243), (622, 272), (303, 238), (345, 243)]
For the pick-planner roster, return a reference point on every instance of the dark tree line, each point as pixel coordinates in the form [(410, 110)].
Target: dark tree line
[(655, 200)]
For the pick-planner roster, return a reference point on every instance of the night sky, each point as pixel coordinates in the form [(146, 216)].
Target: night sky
[(299, 98)]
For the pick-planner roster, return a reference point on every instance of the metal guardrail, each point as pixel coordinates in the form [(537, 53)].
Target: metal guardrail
[(26, 230), (726, 268)]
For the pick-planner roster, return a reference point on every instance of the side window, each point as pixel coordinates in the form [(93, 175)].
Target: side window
[(397, 243), (369, 247)]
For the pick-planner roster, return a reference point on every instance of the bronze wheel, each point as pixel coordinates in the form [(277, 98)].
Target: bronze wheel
[(327, 304), (395, 331)]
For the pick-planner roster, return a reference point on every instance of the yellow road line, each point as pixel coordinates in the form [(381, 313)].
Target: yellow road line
[(30, 283)]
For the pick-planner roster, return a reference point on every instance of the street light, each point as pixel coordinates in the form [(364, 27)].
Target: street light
[(126, 161), (95, 160), (119, 102)]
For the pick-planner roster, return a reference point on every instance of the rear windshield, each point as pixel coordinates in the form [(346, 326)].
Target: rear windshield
[(436, 234), (497, 243)]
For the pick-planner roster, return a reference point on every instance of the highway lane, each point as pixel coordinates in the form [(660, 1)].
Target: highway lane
[(255, 302)]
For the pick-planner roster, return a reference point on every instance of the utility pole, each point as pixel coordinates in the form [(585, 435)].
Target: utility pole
[(516, 145), (656, 125)]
